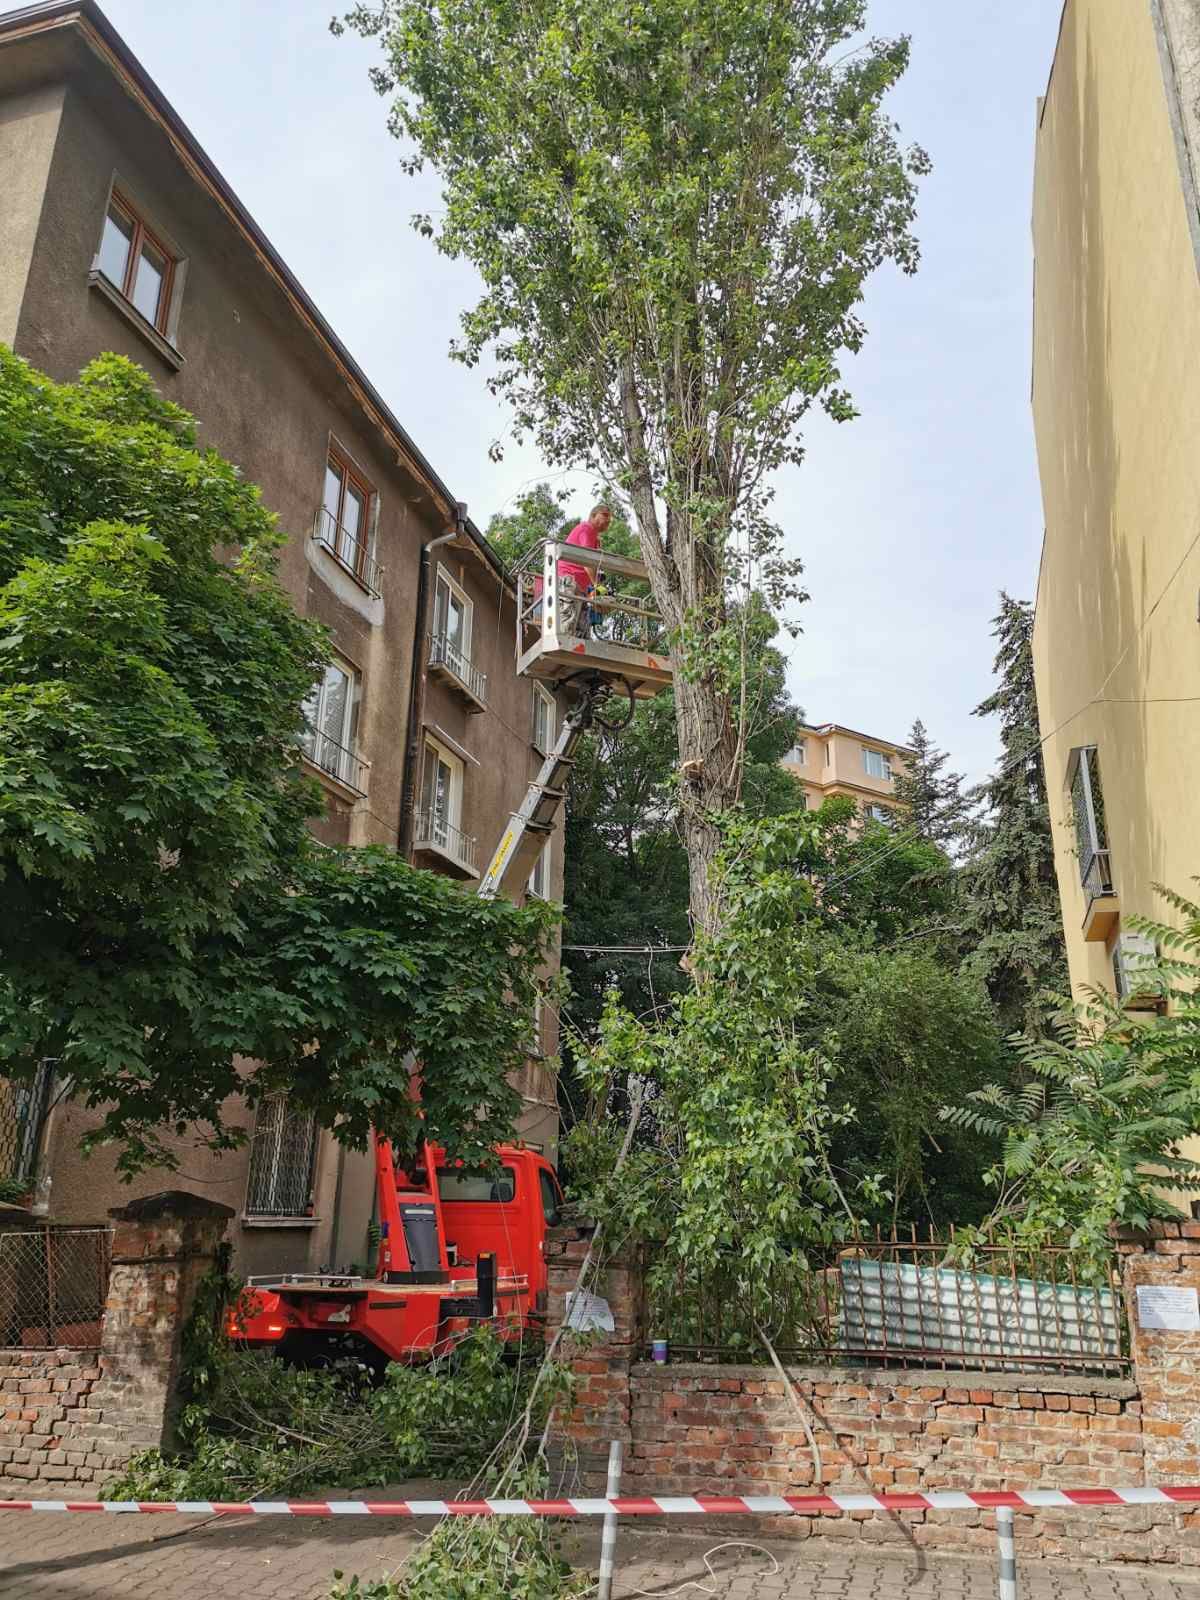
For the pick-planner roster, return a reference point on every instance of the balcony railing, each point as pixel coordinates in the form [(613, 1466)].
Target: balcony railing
[(446, 655), (337, 761), (433, 833), (1095, 870), (348, 551)]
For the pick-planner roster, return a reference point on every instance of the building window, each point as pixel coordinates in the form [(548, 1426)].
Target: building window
[(344, 521), (539, 1011), (282, 1160), (1091, 834), (331, 715), (880, 813), (539, 878), (439, 820), (452, 615), (136, 262), (798, 754), (828, 755), (450, 641), (543, 720), (876, 765)]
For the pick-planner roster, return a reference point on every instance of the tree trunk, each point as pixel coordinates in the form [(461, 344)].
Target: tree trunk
[(687, 586), (708, 784)]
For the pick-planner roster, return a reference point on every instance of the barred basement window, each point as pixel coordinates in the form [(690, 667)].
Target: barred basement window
[(282, 1159)]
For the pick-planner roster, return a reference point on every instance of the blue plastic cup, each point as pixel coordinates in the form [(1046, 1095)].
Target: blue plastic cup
[(658, 1350)]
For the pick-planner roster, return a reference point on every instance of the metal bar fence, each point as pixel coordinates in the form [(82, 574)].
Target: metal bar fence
[(901, 1302), (53, 1285)]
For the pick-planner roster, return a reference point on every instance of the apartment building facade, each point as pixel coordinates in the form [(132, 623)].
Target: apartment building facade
[(828, 759), (1116, 402), (118, 234)]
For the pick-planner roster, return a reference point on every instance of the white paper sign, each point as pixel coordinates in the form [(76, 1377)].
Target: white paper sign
[(589, 1312), (1177, 1310)]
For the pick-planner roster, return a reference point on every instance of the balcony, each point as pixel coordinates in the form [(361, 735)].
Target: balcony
[(337, 762), (447, 661), (438, 838), (348, 551), (1103, 907)]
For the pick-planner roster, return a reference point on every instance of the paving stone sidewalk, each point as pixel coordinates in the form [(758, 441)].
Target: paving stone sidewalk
[(165, 1557)]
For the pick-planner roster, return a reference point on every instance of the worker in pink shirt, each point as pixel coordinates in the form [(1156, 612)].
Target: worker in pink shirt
[(575, 582)]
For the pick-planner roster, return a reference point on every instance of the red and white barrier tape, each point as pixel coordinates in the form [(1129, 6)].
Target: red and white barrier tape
[(647, 1506)]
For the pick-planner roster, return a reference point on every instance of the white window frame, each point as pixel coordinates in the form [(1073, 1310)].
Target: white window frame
[(880, 813), (539, 1019), (460, 594), (798, 755), (540, 878), (543, 701), (352, 769), (267, 1154), (885, 772), (453, 818)]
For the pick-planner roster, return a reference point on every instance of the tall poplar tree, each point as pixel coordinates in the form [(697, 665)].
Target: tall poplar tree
[(674, 208)]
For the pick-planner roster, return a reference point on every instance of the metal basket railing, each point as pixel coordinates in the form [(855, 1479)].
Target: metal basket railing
[(443, 652), (619, 608), (433, 833), (350, 552), (337, 761), (53, 1285)]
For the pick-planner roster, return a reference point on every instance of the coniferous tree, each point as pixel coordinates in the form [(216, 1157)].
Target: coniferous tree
[(932, 803), (1010, 904)]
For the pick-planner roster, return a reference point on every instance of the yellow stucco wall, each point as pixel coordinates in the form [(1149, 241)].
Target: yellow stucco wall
[(834, 765), (1116, 399)]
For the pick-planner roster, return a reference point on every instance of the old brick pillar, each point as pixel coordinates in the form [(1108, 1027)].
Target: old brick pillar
[(1166, 1360), (162, 1247), (601, 1360)]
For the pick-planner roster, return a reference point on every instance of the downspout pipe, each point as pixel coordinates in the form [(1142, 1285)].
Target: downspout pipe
[(416, 693)]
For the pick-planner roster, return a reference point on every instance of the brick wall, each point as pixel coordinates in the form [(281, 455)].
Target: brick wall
[(45, 1396), (733, 1430), (709, 1429), (76, 1416)]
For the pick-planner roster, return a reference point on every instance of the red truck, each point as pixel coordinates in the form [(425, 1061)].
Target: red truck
[(457, 1248)]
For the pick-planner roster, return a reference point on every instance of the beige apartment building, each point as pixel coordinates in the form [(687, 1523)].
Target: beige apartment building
[(117, 233), (828, 759), (1116, 401)]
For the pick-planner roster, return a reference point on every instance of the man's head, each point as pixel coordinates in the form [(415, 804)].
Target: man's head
[(600, 517)]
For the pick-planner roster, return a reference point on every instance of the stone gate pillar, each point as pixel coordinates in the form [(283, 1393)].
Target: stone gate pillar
[(601, 1359), (162, 1247), (1162, 1283)]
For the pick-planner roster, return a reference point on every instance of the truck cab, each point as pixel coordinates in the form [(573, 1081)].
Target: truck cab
[(458, 1248)]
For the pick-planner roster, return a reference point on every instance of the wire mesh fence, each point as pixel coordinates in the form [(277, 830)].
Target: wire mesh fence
[(901, 1302), (53, 1285)]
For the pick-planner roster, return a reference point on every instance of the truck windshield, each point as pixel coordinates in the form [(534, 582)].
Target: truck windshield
[(456, 1183)]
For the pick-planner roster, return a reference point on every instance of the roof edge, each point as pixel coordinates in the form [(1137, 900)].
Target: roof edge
[(108, 44)]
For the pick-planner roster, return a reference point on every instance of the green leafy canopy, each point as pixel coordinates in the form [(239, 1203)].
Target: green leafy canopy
[(170, 934), (673, 209)]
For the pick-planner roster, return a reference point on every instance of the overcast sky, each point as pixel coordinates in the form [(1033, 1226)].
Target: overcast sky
[(910, 519)]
